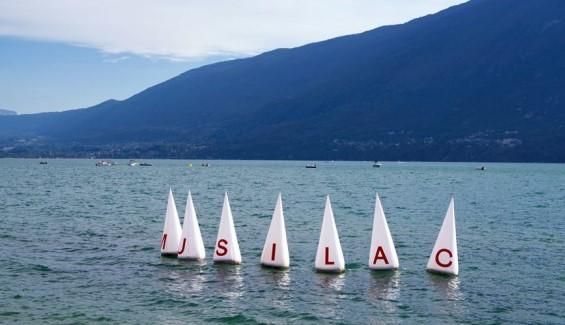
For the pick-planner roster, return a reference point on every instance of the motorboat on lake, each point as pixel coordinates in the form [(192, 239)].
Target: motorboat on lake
[(105, 163), (145, 164), (133, 163), (377, 164), (311, 165)]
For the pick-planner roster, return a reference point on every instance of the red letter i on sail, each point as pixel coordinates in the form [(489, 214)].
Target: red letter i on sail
[(273, 251), (164, 240)]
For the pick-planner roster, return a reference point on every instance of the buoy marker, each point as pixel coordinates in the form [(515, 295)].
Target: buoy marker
[(191, 245), (444, 258), (329, 256), (227, 248), (382, 255), (171, 229), (275, 250)]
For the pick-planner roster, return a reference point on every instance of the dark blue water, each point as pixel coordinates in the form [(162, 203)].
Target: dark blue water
[(80, 243)]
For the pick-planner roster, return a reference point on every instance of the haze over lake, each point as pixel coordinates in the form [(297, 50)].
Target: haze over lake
[(81, 243)]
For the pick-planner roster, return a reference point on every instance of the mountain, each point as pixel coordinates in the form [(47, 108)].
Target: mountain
[(4, 112), (481, 81)]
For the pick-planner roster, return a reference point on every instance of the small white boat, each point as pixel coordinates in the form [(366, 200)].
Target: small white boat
[(377, 164), (133, 163), (311, 165), (105, 163)]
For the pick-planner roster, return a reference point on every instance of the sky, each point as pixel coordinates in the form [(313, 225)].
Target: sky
[(65, 54)]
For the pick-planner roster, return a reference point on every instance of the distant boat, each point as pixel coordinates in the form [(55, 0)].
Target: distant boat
[(482, 168), (133, 163), (43, 163), (377, 164), (145, 164), (105, 163), (311, 165), (205, 164)]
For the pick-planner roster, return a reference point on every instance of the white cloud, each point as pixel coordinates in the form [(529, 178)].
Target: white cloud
[(191, 29)]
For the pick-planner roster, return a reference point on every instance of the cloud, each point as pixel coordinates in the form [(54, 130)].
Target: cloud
[(188, 29)]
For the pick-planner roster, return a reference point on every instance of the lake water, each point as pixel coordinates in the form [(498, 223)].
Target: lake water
[(80, 243)]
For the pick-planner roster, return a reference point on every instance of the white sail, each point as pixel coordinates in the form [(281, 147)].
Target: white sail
[(382, 255), (275, 250), (191, 245), (227, 248), (171, 229), (444, 257), (329, 256)]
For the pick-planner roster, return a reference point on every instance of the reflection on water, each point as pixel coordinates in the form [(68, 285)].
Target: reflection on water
[(384, 289), (193, 278), (231, 281), (331, 280), (384, 285), (278, 281), (281, 277), (449, 286), (449, 290)]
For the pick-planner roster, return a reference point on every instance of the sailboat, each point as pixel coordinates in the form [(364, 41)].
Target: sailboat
[(329, 256), (227, 248), (275, 250), (382, 255), (171, 229), (444, 258), (191, 245)]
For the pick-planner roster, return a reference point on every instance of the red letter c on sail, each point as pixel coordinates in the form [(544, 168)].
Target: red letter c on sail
[(444, 250)]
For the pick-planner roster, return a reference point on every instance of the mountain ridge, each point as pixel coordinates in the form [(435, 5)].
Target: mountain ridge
[(477, 81)]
